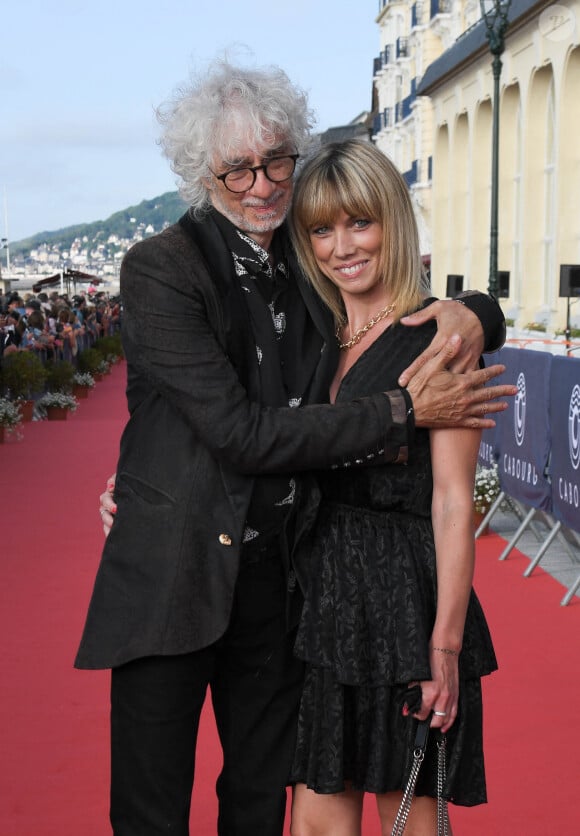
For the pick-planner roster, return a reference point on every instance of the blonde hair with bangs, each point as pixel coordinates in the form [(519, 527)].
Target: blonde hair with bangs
[(357, 178)]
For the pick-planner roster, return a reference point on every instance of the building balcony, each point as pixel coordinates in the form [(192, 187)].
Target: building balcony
[(403, 108), (383, 120), (411, 175), (386, 57), (416, 174), (440, 7), (402, 47), (416, 14)]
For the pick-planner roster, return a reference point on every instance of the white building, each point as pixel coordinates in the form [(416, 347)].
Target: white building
[(435, 117)]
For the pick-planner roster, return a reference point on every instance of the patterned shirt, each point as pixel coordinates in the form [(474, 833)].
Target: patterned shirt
[(273, 300)]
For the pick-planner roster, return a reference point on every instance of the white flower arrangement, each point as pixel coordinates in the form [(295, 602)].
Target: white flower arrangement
[(103, 367), (84, 379), (486, 488), (10, 416), (57, 399)]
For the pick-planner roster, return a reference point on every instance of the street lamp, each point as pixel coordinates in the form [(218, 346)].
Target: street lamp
[(494, 14)]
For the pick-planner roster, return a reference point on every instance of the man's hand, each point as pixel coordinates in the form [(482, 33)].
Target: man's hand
[(449, 399), (108, 508), (452, 318)]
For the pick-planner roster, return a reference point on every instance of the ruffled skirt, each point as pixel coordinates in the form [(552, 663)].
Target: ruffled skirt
[(364, 634)]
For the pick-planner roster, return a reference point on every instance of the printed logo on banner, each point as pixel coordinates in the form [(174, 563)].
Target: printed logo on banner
[(566, 446), (520, 410), (524, 438), (573, 427)]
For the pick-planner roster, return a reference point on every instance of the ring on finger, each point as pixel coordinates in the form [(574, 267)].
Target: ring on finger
[(440, 713)]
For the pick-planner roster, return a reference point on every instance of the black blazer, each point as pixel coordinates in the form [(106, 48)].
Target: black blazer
[(195, 437)]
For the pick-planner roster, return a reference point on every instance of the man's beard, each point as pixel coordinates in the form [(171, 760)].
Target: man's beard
[(239, 217)]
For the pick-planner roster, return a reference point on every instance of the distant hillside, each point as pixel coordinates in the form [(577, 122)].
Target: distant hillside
[(166, 208)]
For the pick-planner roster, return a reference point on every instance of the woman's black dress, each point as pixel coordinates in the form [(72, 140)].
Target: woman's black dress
[(368, 616)]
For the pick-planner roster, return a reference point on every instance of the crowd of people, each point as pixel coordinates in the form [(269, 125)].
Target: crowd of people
[(55, 325)]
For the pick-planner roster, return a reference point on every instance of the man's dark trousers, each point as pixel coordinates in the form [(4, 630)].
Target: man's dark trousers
[(255, 685)]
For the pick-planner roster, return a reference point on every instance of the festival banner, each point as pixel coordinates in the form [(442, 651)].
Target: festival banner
[(565, 459), (524, 428)]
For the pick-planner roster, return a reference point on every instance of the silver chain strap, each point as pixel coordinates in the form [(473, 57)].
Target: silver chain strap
[(405, 806), (442, 812)]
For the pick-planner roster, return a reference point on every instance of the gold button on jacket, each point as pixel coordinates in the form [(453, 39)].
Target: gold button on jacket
[(225, 539)]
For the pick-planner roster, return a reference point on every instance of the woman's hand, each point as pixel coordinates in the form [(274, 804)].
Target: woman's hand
[(440, 695), (108, 508), (449, 399)]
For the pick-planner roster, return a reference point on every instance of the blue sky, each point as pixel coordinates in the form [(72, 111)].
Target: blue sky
[(79, 82)]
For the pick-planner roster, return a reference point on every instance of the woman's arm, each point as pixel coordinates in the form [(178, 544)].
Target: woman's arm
[(454, 457)]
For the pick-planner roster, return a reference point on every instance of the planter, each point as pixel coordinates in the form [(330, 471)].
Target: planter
[(22, 374), (478, 518), (2, 434), (56, 413), (26, 410), (98, 376), (81, 392)]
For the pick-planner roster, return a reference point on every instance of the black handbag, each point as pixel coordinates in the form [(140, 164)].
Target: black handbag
[(419, 748)]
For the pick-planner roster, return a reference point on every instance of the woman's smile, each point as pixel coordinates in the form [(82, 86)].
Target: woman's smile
[(347, 251)]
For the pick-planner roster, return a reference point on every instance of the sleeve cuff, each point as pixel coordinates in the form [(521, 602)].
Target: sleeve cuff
[(403, 426), (489, 313)]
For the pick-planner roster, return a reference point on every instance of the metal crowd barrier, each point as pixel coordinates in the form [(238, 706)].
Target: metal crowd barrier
[(536, 445)]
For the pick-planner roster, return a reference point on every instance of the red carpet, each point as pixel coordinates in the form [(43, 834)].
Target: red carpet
[(54, 726)]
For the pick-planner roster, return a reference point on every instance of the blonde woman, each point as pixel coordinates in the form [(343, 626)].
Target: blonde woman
[(391, 629)]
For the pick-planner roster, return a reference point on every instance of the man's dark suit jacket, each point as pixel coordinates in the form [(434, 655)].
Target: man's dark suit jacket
[(196, 436)]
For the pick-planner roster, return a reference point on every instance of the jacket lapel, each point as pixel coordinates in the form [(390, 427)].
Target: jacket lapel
[(239, 343), (319, 368)]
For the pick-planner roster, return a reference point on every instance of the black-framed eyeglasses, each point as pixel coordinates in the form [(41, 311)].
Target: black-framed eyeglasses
[(277, 169)]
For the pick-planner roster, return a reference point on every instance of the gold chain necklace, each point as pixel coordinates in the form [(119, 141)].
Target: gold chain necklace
[(358, 335)]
